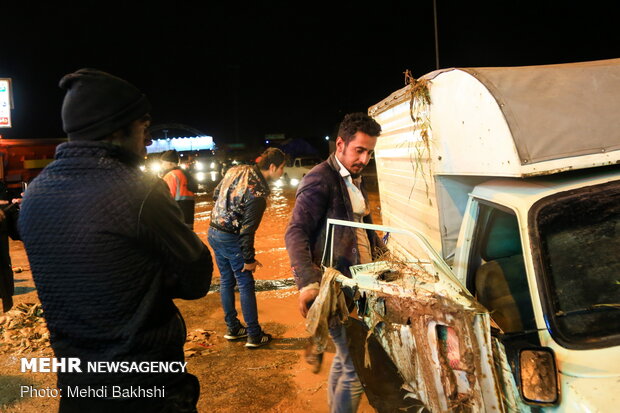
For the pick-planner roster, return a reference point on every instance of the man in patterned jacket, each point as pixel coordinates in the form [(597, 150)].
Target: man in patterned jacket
[(240, 201)]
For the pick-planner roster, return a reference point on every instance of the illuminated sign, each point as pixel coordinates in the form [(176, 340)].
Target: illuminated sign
[(5, 103), (194, 143)]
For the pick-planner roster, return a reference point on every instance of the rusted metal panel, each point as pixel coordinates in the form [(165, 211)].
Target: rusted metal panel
[(441, 348), (435, 345)]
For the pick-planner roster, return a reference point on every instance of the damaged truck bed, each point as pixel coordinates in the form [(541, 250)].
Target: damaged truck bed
[(420, 341)]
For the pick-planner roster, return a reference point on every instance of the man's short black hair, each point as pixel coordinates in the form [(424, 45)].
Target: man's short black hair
[(271, 156), (357, 122)]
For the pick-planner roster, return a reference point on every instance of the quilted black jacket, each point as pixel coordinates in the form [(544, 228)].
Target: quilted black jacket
[(109, 251)]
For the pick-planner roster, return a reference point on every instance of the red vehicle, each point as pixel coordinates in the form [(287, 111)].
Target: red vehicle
[(22, 159)]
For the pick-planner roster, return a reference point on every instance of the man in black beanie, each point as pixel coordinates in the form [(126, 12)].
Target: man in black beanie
[(109, 251)]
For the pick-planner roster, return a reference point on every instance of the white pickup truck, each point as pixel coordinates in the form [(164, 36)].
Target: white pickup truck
[(298, 168), (501, 197)]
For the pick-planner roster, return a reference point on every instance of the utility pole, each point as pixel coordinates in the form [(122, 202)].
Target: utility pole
[(436, 36)]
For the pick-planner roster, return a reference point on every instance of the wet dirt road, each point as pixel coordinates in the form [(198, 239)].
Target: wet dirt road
[(233, 379)]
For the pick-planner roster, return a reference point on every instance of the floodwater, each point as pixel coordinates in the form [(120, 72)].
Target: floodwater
[(274, 378), (269, 241)]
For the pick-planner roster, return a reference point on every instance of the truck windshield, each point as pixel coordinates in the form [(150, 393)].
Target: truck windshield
[(579, 235), (310, 162)]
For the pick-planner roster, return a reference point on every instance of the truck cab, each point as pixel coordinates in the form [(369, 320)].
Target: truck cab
[(539, 255), (500, 196)]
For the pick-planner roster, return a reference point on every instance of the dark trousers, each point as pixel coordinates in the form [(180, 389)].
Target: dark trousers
[(188, 208)]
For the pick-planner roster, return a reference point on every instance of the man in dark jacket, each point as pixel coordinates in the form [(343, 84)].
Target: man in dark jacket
[(240, 201), (333, 189), (109, 251)]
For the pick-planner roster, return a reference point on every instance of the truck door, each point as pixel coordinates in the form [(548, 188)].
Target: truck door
[(496, 274), (496, 270)]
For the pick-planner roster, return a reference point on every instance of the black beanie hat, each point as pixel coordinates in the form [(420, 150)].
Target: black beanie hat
[(170, 156), (97, 104)]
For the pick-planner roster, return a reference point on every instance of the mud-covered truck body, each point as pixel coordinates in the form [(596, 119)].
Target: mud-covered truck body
[(500, 192)]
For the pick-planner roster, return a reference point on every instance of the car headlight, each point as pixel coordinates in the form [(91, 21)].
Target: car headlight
[(155, 167), (294, 182), (212, 165), (200, 176), (199, 166)]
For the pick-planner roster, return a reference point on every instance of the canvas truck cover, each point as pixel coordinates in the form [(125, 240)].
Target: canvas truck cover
[(518, 121), (483, 123)]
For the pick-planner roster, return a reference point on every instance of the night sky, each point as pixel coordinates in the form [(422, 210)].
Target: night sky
[(238, 72)]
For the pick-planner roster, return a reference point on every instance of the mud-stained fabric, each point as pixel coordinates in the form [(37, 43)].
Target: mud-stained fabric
[(328, 308)]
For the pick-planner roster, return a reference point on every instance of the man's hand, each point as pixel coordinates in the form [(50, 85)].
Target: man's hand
[(252, 266), (306, 298)]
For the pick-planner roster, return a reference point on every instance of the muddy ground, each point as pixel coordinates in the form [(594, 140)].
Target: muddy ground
[(233, 379)]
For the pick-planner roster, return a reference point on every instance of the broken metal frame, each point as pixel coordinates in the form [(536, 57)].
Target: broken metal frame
[(419, 237)]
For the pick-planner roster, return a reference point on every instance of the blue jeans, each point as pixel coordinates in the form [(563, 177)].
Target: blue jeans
[(229, 259), (344, 389)]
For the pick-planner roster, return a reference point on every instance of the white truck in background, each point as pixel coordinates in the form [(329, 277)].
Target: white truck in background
[(502, 189), (297, 168)]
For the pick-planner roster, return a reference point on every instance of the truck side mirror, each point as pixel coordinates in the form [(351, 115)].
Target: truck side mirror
[(538, 376)]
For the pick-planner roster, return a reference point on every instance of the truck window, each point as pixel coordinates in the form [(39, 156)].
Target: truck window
[(497, 270), (310, 162), (579, 238)]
